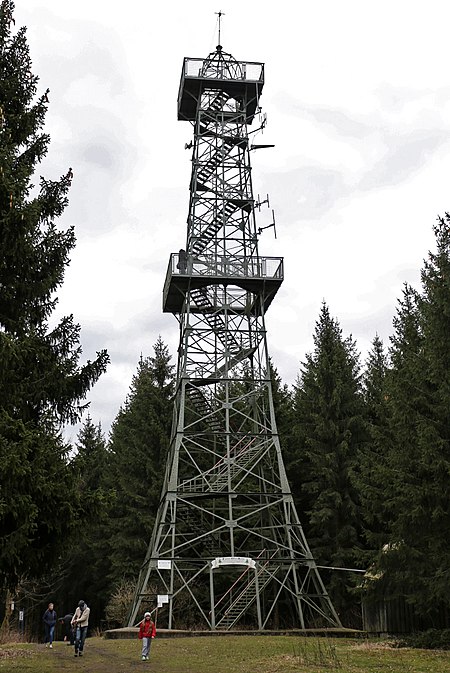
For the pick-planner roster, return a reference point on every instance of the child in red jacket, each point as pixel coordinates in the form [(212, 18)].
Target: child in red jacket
[(147, 631)]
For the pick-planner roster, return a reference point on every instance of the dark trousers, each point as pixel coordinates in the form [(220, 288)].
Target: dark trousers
[(70, 636)]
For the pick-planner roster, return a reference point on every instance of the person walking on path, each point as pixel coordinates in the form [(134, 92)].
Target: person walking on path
[(49, 625), (80, 621), (147, 631)]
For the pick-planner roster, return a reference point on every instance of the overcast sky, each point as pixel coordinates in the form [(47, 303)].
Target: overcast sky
[(357, 97)]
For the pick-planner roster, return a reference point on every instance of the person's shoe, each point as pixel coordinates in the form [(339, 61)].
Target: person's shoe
[(80, 654), (143, 658), (46, 644), (76, 654), (50, 646)]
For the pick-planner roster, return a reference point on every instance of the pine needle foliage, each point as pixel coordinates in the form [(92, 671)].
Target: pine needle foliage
[(370, 470), (138, 448), (328, 430), (415, 560), (42, 385)]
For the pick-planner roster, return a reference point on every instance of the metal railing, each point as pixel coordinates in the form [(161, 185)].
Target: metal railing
[(228, 266), (250, 71)]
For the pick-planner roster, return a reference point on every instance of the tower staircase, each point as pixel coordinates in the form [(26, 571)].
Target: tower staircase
[(239, 349), (203, 408), (215, 101), (199, 540), (247, 587), (208, 234), (242, 459)]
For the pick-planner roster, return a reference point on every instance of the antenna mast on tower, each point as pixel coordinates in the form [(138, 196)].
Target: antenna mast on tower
[(220, 14)]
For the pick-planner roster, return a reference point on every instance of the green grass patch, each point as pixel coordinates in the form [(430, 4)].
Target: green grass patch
[(226, 654)]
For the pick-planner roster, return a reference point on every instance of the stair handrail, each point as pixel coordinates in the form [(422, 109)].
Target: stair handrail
[(220, 462), (236, 581), (252, 582), (222, 471)]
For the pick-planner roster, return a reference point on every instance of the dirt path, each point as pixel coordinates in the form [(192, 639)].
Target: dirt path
[(100, 656), (103, 654)]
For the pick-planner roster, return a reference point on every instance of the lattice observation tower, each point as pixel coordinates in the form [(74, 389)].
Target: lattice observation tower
[(227, 546)]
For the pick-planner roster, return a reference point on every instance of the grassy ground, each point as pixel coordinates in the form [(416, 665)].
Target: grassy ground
[(225, 654)]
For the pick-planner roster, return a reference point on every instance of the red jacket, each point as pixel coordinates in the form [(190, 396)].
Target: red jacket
[(147, 629)]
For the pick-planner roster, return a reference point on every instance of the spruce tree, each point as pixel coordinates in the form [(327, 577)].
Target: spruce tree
[(86, 567), (371, 470), (138, 445), (327, 433), (42, 385), (416, 560)]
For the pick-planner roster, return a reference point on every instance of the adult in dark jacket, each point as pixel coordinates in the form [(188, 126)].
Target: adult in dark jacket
[(49, 625), (68, 630)]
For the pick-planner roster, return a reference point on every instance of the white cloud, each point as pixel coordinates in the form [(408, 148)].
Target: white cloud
[(358, 104)]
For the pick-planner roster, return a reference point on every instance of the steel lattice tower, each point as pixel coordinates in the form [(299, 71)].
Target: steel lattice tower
[(227, 539)]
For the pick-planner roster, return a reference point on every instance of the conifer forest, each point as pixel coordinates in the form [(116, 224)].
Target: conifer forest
[(366, 443)]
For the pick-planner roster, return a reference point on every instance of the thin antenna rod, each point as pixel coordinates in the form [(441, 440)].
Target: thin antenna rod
[(220, 14)]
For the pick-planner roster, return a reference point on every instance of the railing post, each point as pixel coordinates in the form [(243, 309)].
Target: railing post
[(258, 598), (211, 593)]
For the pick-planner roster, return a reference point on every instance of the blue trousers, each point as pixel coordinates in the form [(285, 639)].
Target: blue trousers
[(80, 637), (49, 633)]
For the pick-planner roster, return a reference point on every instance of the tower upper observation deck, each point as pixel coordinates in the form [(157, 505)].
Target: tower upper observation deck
[(242, 80), (220, 96)]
